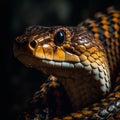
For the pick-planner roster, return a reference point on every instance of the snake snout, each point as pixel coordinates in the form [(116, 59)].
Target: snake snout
[(21, 41), (21, 45)]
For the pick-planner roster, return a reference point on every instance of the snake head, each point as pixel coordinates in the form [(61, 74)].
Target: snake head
[(46, 44), (63, 50)]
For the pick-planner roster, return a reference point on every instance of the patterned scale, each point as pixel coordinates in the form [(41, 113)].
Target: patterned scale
[(52, 102), (106, 28)]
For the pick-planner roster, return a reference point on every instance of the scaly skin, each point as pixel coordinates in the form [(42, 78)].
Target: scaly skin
[(84, 67)]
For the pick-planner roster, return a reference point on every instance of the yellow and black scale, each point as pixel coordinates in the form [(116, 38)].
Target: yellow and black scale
[(52, 100)]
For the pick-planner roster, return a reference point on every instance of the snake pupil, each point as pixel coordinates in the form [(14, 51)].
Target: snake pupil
[(59, 38)]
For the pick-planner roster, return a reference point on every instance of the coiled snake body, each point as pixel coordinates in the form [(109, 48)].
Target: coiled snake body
[(84, 67)]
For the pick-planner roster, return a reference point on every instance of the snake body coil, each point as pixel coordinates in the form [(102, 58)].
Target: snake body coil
[(84, 67)]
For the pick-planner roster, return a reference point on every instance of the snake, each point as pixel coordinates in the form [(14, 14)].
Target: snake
[(83, 64)]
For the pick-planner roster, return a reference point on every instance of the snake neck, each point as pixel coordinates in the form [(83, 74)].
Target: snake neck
[(106, 28), (77, 90), (83, 86)]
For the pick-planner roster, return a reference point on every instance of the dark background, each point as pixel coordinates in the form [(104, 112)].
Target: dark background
[(20, 81)]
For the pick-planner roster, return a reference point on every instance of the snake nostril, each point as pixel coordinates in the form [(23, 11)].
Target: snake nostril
[(21, 40), (33, 43), (25, 40)]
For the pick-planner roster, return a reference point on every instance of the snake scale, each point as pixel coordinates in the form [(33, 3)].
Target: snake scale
[(84, 67)]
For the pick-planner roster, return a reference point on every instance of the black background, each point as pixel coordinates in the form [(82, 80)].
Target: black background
[(21, 82)]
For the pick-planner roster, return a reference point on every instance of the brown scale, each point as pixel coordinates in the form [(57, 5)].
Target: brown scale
[(102, 28), (113, 54), (106, 28)]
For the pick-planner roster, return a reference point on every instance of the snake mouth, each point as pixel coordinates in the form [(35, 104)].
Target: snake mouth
[(40, 57), (34, 62), (59, 68)]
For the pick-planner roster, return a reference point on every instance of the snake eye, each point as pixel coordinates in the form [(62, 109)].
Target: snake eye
[(59, 38), (33, 43)]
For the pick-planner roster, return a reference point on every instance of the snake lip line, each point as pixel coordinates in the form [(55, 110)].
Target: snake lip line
[(45, 62)]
